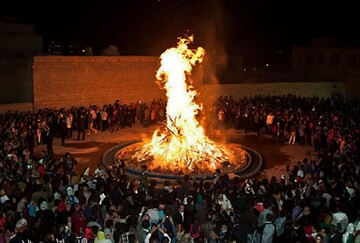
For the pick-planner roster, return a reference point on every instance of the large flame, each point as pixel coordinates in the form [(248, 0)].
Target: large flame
[(181, 143)]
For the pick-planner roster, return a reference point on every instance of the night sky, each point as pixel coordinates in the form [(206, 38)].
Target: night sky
[(148, 27)]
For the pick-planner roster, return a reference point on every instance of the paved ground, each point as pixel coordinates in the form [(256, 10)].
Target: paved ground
[(89, 152)]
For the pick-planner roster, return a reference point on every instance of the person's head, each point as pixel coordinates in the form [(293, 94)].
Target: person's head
[(224, 228), (21, 225), (9, 231), (168, 212), (165, 240), (307, 210), (196, 221), (77, 207), (94, 230), (323, 231), (145, 224), (181, 207), (269, 217), (85, 187), (109, 223), (209, 217), (113, 214), (318, 238), (67, 155)]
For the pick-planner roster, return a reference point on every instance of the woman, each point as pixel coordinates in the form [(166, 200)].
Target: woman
[(195, 229)]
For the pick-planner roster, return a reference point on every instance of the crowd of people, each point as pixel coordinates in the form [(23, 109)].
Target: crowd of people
[(44, 199)]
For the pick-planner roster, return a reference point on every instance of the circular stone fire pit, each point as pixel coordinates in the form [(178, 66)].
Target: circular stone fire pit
[(248, 168)]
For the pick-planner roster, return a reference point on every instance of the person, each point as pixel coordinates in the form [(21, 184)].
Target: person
[(91, 119), (318, 238), (62, 128), (81, 125), (267, 231), (78, 220), (143, 225), (68, 163), (104, 118), (292, 134), (269, 122), (69, 124), (209, 226), (195, 229), (22, 232), (179, 220), (49, 137), (217, 175), (143, 179), (223, 233)]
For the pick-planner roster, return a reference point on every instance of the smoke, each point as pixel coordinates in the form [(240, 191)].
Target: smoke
[(212, 37)]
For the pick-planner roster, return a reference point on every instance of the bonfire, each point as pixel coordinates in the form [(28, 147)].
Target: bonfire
[(180, 143)]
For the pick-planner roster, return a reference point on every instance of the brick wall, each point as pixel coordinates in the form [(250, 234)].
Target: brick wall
[(65, 81)]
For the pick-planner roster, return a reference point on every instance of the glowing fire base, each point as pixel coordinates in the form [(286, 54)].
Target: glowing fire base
[(245, 165)]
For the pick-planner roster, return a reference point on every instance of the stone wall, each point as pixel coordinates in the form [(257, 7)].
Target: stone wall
[(65, 81)]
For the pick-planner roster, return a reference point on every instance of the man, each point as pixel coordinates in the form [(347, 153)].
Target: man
[(49, 136), (81, 125), (62, 127), (179, 220), (143, 225)]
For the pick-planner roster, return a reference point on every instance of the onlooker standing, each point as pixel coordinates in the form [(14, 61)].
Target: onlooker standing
[(81, 125), (269, 122), (292, 133), (91, 117), (104, 118), (69, 123)]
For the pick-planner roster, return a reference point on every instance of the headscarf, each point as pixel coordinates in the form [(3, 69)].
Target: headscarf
[(348, 236)]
